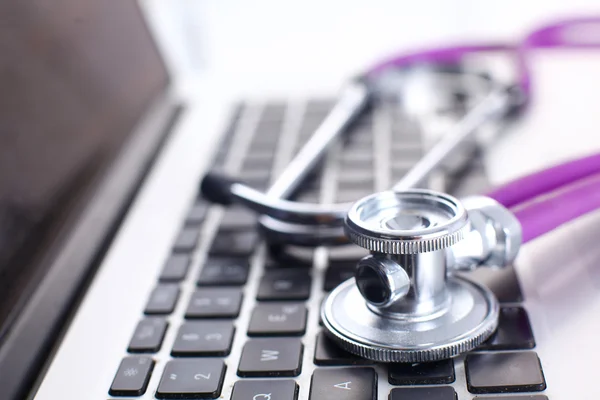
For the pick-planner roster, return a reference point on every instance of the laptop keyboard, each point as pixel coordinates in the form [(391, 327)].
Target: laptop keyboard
[(230, 317)]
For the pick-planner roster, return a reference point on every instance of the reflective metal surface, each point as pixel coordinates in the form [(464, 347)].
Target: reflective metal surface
[(495, 236), (407, 222), (402, 306), (381, 281), (494, 106), (468, 321), (351, 102), (427, 294)]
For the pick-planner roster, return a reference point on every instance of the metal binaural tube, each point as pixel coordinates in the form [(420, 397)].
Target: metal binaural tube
[(352, 101), (494, 105)]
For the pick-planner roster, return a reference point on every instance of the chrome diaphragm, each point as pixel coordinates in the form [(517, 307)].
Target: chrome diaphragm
[(404, 304)]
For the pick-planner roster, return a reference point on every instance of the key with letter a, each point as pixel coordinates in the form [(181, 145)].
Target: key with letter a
[(344, 384)]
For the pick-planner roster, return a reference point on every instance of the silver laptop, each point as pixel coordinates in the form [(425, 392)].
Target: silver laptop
[(117, 280)]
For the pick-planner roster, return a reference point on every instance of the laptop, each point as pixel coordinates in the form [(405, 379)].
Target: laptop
[(118, 280)]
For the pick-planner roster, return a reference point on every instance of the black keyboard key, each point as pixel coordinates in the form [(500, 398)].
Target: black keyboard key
[(308, 196), (272, 115), (271, 357), (504, 372), (502, 282), (431, 373), (350, 195), (360, 141), (186, 240), (288, 284), (343, 384), (224, 271), (219, 159), (258, 183), (162, 299), (148, 336), (197, 214), (261, 160), (234, 243), (364, 161), (404, 159), (260, 153), (350, 254), (397, 174), (318, 109), (356, 180), (524, 397), (265, 389), (192, 378), (328, 353), (237, 219), (132, 376), (312, 184), (356, 158), (338, 273), (278, 319), (268, 131), (358, 185), (215, 303), (204, 338), (175, 268), (513, 333), (429, 393), (286, 257), (262, 142)]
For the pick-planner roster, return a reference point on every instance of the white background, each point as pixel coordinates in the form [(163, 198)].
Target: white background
[(276, 48)]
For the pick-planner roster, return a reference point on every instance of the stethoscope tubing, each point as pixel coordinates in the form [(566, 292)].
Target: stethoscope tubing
[(550, 210), (223, 190), (554, 189), (541, 201), (533, 185)]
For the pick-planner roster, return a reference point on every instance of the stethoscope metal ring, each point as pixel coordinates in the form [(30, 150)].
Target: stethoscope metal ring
[(470, 320), (403, 305), (407, 222)]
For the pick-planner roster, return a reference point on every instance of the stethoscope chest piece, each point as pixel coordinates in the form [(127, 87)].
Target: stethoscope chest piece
[(404, 304)]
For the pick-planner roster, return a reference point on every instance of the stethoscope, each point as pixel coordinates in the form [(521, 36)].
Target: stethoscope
[(405, 304)]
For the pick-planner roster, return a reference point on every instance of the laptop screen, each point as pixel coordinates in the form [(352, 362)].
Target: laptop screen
[(76, 76)]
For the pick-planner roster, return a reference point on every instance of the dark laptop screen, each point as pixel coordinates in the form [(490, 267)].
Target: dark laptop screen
[(76, 76)]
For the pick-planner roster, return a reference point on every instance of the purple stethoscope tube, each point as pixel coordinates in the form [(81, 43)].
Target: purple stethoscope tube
[(576, 33), (547, 199)]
